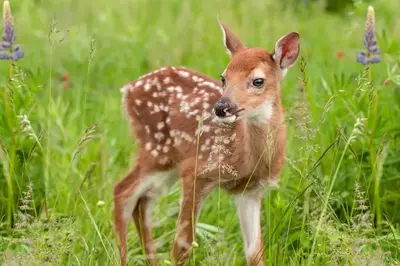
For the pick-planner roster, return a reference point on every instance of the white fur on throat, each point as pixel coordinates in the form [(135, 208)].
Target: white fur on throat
[(262, 114)]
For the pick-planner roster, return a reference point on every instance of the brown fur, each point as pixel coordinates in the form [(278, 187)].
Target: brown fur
[(171, 116)]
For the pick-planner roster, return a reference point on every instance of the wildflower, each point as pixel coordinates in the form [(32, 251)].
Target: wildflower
[(387, 82), (339, 54), (100, 203), (371, 53), (11, 52), (66, 84), (65, 76)]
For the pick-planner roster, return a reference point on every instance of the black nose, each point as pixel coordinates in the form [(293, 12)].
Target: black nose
[(222, 107)]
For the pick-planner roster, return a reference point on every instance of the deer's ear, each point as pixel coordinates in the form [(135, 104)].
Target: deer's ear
[(231, 42), (287, 50)]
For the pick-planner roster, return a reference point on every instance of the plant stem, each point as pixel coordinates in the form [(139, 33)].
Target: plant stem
[(372, 153), (325, 206), (49, 98), (12, 151)]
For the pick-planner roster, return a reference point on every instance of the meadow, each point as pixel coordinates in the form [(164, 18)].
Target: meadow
[(64, 140)]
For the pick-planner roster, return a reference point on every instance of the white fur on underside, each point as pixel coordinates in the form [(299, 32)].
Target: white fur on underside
[(155, 182)]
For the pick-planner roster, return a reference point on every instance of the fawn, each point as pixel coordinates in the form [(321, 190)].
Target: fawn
[(208, 133)]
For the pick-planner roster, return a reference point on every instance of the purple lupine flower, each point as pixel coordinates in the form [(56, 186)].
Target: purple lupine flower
[(371, 53), (8, 37), (5, 57)]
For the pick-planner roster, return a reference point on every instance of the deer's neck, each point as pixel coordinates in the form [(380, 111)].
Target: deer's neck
[(263, 136)]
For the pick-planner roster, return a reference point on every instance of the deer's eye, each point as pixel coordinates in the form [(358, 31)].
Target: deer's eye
[(223, 81), (258, 83)]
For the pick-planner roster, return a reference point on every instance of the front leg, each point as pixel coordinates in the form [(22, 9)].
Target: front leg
[(249, 210)]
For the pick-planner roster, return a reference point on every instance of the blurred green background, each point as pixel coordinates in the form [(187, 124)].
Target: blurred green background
[(338, 200)]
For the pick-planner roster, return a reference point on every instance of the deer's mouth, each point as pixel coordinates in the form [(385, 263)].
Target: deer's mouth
[(239, 112), (231, 117)]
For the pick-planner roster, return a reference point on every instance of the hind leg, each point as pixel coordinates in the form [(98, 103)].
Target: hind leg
[(132, 196), (142, 218), (124, 204)]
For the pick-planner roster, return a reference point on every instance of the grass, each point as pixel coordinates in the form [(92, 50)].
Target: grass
[(338, 199)]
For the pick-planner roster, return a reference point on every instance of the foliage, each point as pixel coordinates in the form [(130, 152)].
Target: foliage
[(64, 141)]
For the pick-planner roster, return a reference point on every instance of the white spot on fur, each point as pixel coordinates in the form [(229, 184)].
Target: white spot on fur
[(194, 102), (148, 146), (138, 102), (183, 74), (160, 125), (159, 136), (211, 85), (154, 81), (205, 128), (138, 83), (147, 87), (167, 80), (149, 104), (197, 79), (193, 113), (178, 89), (165, 149), (184, 107), (154, 153)]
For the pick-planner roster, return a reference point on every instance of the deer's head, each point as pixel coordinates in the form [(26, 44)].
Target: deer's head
[(251, 79)]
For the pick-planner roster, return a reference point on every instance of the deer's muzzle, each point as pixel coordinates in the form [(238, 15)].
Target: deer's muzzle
[(225, 108)]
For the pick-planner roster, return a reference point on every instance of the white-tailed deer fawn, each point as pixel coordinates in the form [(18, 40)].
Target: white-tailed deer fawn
[(208, 133)]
